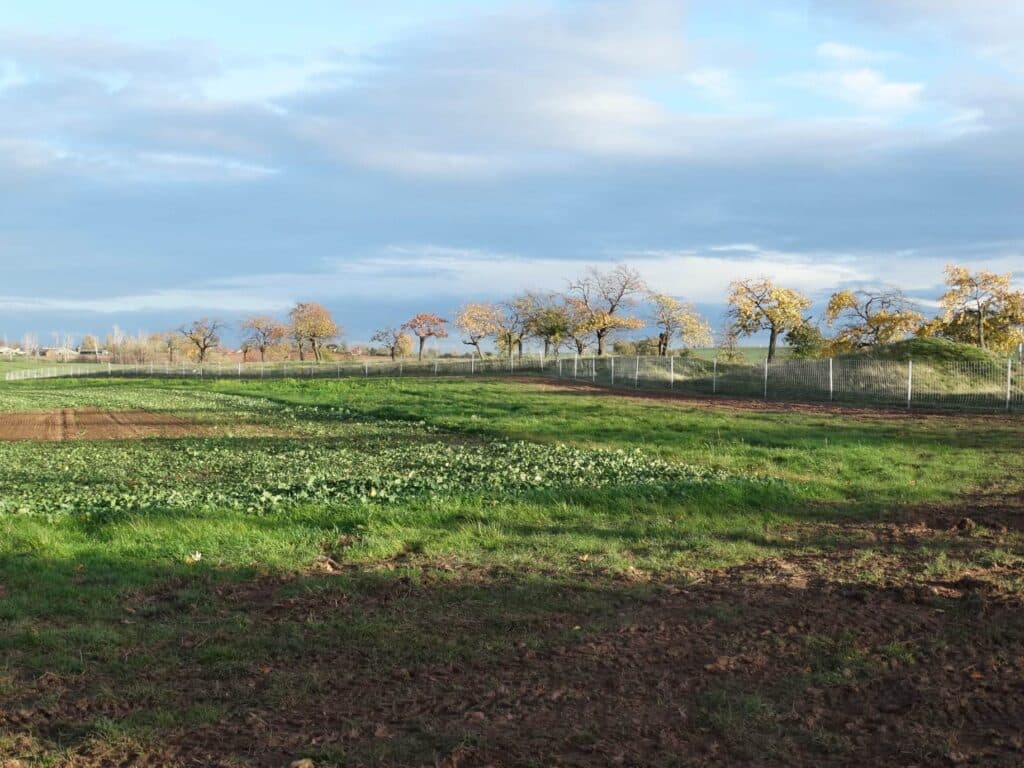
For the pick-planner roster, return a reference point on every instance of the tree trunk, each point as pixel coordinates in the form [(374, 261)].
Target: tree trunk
[(423, 342), (479, 354), (772, 340), (600, 344), (520, 345), (981, 327), (263, 354), (547, 347)]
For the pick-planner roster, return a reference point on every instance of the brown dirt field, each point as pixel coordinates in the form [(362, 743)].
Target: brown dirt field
[(798, 661), (757, 404), (92, 424)]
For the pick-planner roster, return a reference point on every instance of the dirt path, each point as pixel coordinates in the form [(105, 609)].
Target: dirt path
[(92, 424), (757, 404)]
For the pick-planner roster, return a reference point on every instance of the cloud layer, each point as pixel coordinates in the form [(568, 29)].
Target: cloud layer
[(158, 179)]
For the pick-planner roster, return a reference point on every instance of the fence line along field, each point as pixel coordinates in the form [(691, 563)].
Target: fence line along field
[(981, 382), (404, 571)]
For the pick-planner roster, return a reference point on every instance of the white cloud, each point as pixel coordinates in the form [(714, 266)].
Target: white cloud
[(713, 82), (407, 273), (993, 27), (866, 89)]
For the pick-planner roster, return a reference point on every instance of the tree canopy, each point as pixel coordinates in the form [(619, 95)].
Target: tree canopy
[(759, 305)]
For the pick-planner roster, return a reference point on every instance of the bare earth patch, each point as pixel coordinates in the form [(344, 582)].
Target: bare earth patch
[(93, 424), (689, 400), (868, 653)]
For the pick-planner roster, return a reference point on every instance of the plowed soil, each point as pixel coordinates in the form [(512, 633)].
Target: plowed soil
[(92, 424)]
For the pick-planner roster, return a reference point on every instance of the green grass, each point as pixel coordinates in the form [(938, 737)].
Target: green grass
[(484, 515), (491, 473), (747, 354), (932, 350)]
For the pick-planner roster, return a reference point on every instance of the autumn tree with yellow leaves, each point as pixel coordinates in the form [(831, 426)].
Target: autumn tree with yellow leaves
[(579, 324), (757, 304), (677, 319), (512, 326), (867, 318), (312, 324), (548, 320), (980, 308), (478, 321)]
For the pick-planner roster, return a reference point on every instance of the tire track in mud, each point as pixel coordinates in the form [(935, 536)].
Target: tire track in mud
[(93, 424)]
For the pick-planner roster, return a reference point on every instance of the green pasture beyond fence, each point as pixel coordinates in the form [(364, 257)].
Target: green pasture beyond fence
[(995, 386)]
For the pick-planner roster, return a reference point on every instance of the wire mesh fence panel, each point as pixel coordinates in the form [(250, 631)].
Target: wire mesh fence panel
[(693, 376), (798, 380), (878, 382), (739, 380), (959, 384), (1015, 386), (653, 373), (963, 385)]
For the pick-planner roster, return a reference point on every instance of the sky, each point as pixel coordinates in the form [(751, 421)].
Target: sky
[(161, 161)]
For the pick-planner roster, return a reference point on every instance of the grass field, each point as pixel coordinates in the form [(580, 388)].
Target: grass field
[(464, 573)]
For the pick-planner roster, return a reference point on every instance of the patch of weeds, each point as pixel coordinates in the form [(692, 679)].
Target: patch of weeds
[(941, 566), (734, 714), (835, 660), (901, 652)]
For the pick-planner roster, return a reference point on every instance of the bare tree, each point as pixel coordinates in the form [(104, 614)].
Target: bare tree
[(604, 296), (394, 340), (262, 333), (203, 334)]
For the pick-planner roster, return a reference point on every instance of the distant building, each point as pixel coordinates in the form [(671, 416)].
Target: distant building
[(58, 353), (6, 351)]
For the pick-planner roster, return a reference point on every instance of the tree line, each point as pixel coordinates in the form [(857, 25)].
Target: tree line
[(599, 307)]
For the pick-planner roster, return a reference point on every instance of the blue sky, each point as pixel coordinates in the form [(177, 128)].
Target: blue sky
[(160, 162)]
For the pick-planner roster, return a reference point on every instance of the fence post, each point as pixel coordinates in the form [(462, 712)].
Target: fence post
[(435, 367), (612, 361), (472, 364), (593, 369), (239, 370), (559, 367), (714, 376), (831, 384), (400, 367), (1009, 381), (766, 378), (671, 373), (910, 381), (636, 374), (575, 364)]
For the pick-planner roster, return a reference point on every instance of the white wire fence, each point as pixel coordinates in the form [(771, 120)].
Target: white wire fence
[(991, 386)]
